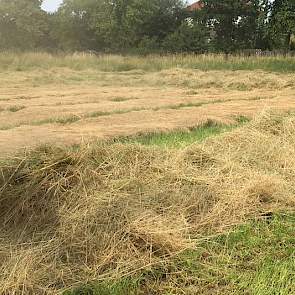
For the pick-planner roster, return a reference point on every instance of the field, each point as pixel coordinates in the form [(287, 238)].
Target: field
[(64, 100), (146, 175)]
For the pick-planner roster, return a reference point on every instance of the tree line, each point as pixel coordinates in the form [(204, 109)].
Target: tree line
[(148, 26)]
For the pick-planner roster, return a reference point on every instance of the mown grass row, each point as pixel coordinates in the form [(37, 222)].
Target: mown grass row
[(69, 119), (116, 63), (256, 258)]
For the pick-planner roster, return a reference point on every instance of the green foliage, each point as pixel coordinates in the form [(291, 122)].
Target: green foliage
[(233, 23), (72, 25), (142, 26), (116, 25), (282, 24), (190, 36), (23, 25)]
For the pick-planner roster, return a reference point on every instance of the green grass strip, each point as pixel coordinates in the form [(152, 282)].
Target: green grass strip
[(178, 138)]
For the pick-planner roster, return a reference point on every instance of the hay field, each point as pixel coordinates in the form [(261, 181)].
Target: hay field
[(204, 215), (124, 212), (67, 101)]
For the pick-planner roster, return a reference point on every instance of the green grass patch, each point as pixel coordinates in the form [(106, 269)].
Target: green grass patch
[(115, 112), (256, 258), (67, 119), (239, 86), (96, 114), (241, 119), (121, 99), (181, 138), (15, 108), (59, 120), (128, 286)]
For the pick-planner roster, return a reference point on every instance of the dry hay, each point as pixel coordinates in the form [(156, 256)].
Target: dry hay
[(70, 217), (49, 105), (227, 80)]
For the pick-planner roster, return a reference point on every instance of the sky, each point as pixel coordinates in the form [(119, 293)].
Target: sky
[(52, 5)]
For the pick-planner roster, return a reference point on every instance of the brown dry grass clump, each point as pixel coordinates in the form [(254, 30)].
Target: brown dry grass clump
[(105, 210)]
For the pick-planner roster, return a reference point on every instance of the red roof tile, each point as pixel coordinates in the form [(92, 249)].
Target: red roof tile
[(196, 6)]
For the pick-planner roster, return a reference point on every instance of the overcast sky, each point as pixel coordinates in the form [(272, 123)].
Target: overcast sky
[(52, 5)]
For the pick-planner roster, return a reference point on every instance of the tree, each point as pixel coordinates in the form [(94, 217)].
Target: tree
[(148, 25), (117, 24), (234, 23), (282, 24), (71, 25), (262, 30), (154, 18), (190, 36), (23, 24)]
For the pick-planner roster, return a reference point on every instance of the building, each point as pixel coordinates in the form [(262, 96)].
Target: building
[(195, 6)]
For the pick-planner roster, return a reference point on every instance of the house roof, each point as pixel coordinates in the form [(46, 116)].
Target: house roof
[(196, 6)]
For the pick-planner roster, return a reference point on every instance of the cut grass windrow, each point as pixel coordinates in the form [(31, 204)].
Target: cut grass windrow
[(75, 118), (129, 219)]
